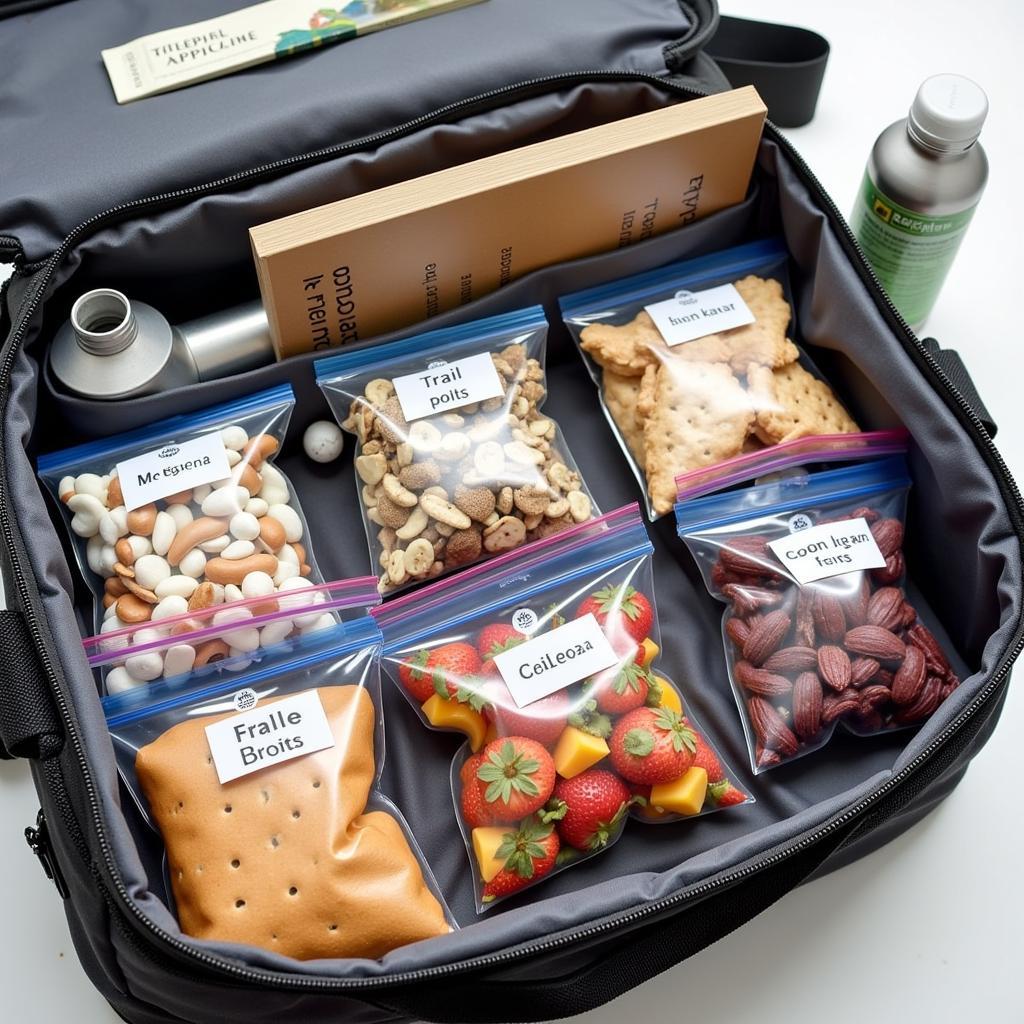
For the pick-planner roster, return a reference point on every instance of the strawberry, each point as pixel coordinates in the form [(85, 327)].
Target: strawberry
[(516, 777), (587, 718), (414, 679), (595, 804), (622, 611), (454, 668), (475, 810), (705, 758), (724, 794), (496, 638), (623, 689), (469, 767), (543, 720), (531, 852), (652, 745)]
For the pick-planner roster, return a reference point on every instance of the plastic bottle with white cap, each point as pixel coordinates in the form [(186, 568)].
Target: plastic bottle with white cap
[(922, 183)]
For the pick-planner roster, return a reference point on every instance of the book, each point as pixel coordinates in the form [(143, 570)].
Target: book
[(399, 255), (273, 30)]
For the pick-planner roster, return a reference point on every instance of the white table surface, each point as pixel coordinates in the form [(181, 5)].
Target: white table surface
[(926, 929)]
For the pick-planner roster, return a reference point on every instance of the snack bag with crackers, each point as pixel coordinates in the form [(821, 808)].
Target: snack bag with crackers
[(263, 785), (696, 364), (186, 513), (457, 461), (239, 633), (820, 627), (548, 660)]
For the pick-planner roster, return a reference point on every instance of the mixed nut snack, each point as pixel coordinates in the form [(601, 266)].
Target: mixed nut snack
[(185, 515), (819, 629), (696, 365), (548, 661), (456, 459)]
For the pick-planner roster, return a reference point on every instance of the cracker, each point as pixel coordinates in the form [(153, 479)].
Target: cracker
[(285, 858), (701, 416), (793, 403), (763, 342), (627, 349), (620, 397)]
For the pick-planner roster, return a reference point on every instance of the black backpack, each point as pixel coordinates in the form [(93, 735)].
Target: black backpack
[(156, 197)]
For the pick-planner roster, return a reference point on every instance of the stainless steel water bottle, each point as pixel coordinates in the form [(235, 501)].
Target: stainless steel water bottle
[(923, 180), (114, 348)]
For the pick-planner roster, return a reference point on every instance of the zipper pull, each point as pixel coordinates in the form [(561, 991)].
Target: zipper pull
[(38, 840)]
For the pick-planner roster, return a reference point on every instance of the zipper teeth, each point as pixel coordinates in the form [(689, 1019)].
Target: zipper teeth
[(291, 981)]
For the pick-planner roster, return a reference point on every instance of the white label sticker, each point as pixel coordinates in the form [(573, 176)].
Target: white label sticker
[(173, 468), (831, 549), (556, 659), (525, 620), (446, 386), (689, 315), (268, 735)]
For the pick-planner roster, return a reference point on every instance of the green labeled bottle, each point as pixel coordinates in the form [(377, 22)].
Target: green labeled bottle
[(922, 183)]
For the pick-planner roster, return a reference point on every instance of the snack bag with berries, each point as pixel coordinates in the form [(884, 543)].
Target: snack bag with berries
[(457, 461), (548, 661), (820, 628)]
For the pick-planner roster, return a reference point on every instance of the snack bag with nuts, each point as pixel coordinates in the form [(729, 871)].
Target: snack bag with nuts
[(264, 786), (456, 460), (696, 365), (819, 628), (239, 633), (184, 514), (547, 660)]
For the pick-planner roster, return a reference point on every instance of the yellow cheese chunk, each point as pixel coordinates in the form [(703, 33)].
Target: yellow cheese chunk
[(650, 651), (670, 696), (492, 732), (576, 751), (684, 795), (450, 714), (485, 845)]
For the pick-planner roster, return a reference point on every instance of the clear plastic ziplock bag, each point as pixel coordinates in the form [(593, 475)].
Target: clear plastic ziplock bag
[(790, 456), (547, 660), (818, 628), (456, 461), (264, 786), (185, 513), (696, 366), (238, 633)]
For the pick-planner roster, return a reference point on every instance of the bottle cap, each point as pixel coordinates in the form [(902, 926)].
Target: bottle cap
[(948, 112)]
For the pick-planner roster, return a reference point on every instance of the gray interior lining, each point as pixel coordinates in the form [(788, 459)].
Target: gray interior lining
[(958, 526), (65, 167)]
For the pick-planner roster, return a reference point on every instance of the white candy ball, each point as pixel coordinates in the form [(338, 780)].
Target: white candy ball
[(164, 529), (150, 570), (257, 584), (118, 681), (323, 441), (234, 438), (181, 514), (325, 620), (193, 564), (176, 586), (232, 593), (144, 667), (244, 525), (173, 605), (275, 632), (179, 659)]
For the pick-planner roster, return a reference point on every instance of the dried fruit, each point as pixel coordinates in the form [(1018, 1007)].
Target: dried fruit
[(747, 556), (807, 705), (737, 631), (875, 642), (928, 700), (829, 618), (888, 534), (804, 634), (792, 659), (924, 639), (885, 608), (834, 667), (770, 727), (760, 681), (910, 677), (839, 704), (893, 571), (766, 636), (862, 671)]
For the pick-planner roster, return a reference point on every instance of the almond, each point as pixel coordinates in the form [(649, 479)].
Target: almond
[(761, 682), (875, 642), (747, 556), (770, 728), (829, 619), (910, 677), (792, 659), (855, 606), (924, 639), (893, 571), (928, 700), (836, 705), (807, 705), (862, 671), (737, 631), (885, 608), (766, 636), (888, 534), (766, 758), (834, 667), (874, 695), (747, 600)]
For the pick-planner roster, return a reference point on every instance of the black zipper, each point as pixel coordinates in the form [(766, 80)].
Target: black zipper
[(28, 590)]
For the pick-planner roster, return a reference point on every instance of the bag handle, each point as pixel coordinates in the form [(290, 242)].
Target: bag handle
[(29, 724), (632, 958), (954, 368), (784, 63)]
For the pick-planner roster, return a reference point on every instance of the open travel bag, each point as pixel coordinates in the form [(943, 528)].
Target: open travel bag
[(155, 198)]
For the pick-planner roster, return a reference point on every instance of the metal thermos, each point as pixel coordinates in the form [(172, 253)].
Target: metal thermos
[(115, 348), (923, 180)]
